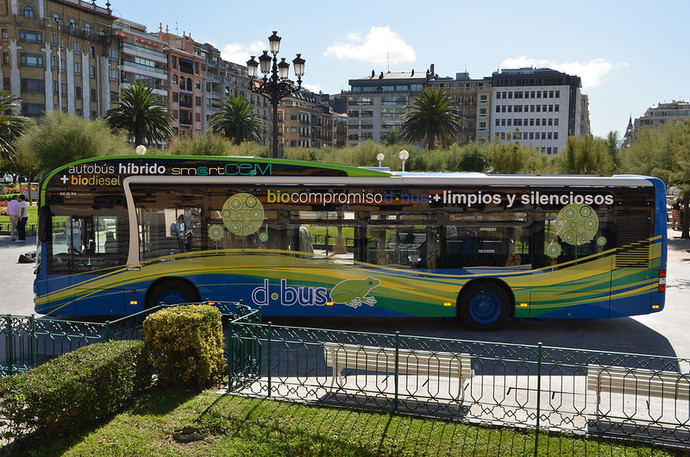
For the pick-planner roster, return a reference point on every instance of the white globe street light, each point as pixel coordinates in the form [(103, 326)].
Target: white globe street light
[(380, 158), (404, 155), (140, 150)]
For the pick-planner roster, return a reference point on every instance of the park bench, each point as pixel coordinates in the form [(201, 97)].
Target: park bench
[(411, 362), (637, 382)]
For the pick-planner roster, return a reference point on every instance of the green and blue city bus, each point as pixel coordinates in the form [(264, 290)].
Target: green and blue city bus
[(311, 239)]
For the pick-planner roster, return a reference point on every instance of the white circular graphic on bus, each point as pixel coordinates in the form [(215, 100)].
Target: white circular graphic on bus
[(577, 225), (243, 214)]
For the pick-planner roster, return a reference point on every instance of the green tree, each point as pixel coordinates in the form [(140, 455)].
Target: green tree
[(612, 141), (585, 155), (142, 114), (209, 144), (11, 126), (431, 119), (237, 121), (61, 138), (473, 158), (392, 137)]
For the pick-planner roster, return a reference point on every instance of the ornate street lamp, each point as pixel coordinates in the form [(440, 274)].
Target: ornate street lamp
[(275, 86)]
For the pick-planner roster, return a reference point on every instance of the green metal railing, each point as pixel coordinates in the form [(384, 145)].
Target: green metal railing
[(532, 386), (538, 387), (27, 341)]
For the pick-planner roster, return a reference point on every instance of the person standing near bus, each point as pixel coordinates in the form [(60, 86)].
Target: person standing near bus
[(13, 213), (23, 216)]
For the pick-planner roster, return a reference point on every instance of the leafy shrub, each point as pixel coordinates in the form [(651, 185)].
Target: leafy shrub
[(186, 344), (81, 387)]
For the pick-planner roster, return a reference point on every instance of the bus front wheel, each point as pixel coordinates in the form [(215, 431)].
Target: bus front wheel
[(172, 293), (484, 305)]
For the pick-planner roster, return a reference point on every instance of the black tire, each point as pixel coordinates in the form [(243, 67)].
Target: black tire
[(484, 305), (171, 293)]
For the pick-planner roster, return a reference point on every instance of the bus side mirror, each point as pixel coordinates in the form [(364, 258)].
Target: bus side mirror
[(44, 223)]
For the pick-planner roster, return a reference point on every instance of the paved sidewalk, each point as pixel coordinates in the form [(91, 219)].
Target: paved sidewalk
[(17, 278)]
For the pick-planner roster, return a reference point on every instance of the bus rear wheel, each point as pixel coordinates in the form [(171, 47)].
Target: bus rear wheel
[(172, 293), (484, 305)]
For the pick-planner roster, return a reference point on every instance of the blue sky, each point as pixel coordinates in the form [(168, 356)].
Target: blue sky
[(630, 55)]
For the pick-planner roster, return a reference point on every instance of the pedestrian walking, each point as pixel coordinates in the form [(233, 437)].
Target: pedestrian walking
[(675, 215), (23, 216), (13, 213)]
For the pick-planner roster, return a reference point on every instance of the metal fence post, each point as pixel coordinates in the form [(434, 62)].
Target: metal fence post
[(9, 352), (269, 358), (107, 330), (536, 436), (231, 353), (395, 378), (33, 344)]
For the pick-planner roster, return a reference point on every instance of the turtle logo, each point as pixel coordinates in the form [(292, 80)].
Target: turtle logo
[(353, 292)]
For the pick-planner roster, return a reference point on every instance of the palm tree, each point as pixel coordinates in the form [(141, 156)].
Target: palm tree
[(236, 120), (432, 119), (391, 137), (142, 113), (11, 126)]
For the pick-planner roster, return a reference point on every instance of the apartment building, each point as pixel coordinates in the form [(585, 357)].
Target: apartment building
[(185, 77), (223, 79), (142, 57), (376, 104), (655, 117), (471, 102), (306, 120), (537, 107), (59, 54)]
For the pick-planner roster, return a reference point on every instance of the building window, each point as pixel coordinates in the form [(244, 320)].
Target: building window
[(72, 25), (93, 51), (558, 94), (56, 86), (114, 97), (92, 71), (77, 46), (114, 74), (5, 58), (198, 101), (31, 60), (482, 126), (30, 36), (112, 53), (94, 95), (175, 97), (53, 39), (555, 108), (555, 135), (87, 28), (32, 85), (4, 34), (28, 11), (54, 62), (77, 68), (33, 109), (174, 79), (555, 121), (77, 92), (174, 61), (62, 43), (197, 84)]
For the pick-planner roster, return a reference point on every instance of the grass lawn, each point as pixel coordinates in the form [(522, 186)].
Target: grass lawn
[(237, 426), (33, 216)]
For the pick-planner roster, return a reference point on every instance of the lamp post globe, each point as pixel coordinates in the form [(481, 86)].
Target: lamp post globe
[(275, 84), (380, 158), (404, 155), (140, 150)]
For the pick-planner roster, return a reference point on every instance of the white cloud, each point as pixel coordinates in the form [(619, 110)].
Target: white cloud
[(312, 87), (592, 73), (240, 53), (379, 46)]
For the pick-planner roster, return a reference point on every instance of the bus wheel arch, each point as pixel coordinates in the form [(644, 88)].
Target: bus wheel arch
[(485, 304), (171, 290)]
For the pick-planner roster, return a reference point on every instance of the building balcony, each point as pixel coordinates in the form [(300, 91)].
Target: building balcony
[(141, 51), (145, 70)]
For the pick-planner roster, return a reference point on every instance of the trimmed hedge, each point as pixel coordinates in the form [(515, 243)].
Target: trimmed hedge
[(186, 344), (81, 387)]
